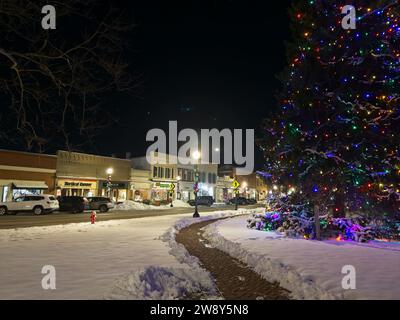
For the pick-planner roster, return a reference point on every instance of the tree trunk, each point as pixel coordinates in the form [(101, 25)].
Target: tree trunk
[(317, 224)]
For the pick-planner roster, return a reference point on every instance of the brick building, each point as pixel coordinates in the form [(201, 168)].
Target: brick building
[(22, 172)]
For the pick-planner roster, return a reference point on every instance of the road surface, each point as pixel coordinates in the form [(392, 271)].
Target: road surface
[(24, 220)]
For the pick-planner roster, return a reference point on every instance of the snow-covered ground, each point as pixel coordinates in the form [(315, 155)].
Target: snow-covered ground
[(312, 269), (123, 259), (134, 205)]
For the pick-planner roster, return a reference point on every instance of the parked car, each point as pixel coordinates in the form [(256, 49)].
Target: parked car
[(102, 204), (238, 200), (202, 201), (73, 204), (38, 204), (251, 201)]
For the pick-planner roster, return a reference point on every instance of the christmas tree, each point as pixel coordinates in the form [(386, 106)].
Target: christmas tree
[(336, 134)]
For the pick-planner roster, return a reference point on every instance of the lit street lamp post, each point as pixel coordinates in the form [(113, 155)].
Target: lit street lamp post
[(178, 192), (196, 156), (109, 173)]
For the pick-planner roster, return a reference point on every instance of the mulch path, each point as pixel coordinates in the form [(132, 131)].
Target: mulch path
[(234, 279)]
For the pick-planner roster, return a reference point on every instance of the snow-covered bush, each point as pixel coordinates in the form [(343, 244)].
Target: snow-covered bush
[(299, 224)]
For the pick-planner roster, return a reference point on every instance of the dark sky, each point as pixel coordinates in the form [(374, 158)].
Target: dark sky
[(206, 64)]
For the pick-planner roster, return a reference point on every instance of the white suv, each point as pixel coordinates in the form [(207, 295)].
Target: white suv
[(37, 204)]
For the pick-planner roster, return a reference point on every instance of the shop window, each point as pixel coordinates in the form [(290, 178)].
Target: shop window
[(162, 172), (5, 193), (154, 172), (22, 192), (172, 173), (203, 177), (214, 176), (209, 178)]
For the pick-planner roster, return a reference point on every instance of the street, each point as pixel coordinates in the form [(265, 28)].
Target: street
[(24, 220)]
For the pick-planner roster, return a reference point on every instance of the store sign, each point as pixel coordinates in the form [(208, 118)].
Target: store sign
[(77, 184), (162, 185), (74, 184), (114, 185)]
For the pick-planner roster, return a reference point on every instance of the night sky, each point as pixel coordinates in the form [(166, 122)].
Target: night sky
[(206, 64)]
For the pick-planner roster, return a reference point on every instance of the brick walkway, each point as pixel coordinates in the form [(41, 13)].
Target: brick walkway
[(234, 279)]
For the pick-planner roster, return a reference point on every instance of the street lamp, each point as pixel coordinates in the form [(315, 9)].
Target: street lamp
[(109, 172), (196, 156), (178, 192)]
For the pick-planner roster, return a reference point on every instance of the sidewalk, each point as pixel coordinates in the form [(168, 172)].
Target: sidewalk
[(234, 279)]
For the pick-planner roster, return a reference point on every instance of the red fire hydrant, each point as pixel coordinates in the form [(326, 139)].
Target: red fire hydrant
[(93, 217)]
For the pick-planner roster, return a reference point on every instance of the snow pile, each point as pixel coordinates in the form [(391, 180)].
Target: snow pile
[(311, 269), (178, 250), (134, 205), (44, 232), (180, 204), (218, 204), (354, 228), (157, 283), (270, 269)]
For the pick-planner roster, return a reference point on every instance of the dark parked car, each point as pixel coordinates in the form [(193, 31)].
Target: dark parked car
[(99, 203), (202, 201), (73, 204), (238, 200), (251, 201)]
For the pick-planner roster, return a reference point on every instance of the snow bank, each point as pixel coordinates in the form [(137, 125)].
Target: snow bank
[(181, 204), (157, 283), (134, 205), (311, 269)]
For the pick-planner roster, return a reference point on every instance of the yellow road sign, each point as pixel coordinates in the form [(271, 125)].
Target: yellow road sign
[(172, 187), (235, 184)]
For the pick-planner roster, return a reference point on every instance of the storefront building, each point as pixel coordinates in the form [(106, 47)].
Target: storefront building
[(162, 176), (181, 176), (208, 174), (26, 173), (185, 182), (140, 187), (261, 187), (77, 187), (224, 190), (118, 189), (88, 175), (252, 186)]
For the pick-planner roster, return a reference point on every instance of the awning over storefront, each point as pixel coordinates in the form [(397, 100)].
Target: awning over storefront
[(30, 185)]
